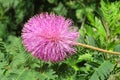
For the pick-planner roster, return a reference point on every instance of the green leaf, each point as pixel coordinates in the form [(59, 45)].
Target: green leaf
[(3, 31), (103, 71), (21, 10), (50, 74), (111, 15), (85, 57), (26, 75), (8, 3), (100, 28), (51, 1), (90, 17), (117, 48), (79, 13), (73, 4), (89, 30), (91, 41), (60, 9)]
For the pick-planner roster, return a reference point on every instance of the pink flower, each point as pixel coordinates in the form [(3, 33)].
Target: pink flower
[(49, 37)]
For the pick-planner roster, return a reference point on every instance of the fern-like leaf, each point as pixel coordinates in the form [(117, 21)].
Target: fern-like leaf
[(111, 15), (103, 71), (27, 74)]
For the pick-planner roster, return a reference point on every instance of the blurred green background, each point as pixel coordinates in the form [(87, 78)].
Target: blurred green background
[(98, 22)]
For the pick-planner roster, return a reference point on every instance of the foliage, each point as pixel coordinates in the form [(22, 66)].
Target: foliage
[(102, 72), (98, 24)]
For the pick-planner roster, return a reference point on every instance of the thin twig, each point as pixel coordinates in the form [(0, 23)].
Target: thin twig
[(98, 49)]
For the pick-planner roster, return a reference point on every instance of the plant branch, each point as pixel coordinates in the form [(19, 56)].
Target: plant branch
[(98, 49)]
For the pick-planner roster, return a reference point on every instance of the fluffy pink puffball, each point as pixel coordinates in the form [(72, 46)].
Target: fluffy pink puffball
[(49, 37)]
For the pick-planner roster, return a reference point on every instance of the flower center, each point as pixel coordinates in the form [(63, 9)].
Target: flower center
[(52, 38)]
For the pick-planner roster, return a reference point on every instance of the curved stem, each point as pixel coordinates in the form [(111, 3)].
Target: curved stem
[(98, 49)]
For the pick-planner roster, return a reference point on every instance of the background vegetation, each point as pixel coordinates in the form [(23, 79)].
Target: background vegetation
[(98, 22)]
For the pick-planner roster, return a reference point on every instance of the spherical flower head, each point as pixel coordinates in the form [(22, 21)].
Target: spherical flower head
[(49, 37)]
